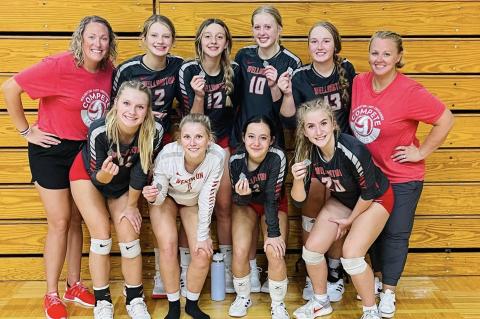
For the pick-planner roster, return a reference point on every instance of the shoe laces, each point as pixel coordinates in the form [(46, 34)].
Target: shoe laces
[(78, 288), (103, 308), (279, 309), (138, 307), (240, 301), (370, 314), (53, 299)]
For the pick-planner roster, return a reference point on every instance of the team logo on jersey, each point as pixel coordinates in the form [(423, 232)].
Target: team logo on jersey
[(94, 104), (365, 122)]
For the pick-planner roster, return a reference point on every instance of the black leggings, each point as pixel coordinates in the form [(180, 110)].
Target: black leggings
[(389, 252)]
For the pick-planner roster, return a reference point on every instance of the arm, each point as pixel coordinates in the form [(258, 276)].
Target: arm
[(300, 185), (273, 189), (191, 90), (100, 165), (206, 200), (241, 192), (345, 223), (434, 139), (160, 182), (12, 93), (287, 109)]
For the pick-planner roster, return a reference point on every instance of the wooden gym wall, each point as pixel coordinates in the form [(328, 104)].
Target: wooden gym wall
[(442, 45)]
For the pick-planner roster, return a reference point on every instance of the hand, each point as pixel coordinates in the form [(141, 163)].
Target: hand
[(132, 214), (285, 83), (271, 74), (109, 167), (205, 245), (159, 115), (409, 153), (242, 187), (344, 225), (150, 192), (198, 85), (38, 137), (299, 171), (278, 245)]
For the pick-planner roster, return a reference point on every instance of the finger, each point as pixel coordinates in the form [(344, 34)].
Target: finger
[(400, 148), (115, 169), (43, 145), (50, 140)]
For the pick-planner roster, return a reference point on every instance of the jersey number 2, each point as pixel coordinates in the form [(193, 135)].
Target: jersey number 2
[(161, 94)]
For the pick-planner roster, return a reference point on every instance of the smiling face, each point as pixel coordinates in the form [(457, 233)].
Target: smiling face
[(257, 141), (194, 139), (319, 129), (213, 40), (321, 45), (132, 107), (95, 44), (383, 57), (266, 31), (158, 40)]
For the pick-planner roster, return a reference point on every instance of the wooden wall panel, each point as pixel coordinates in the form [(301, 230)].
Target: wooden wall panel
[(351, 18), (421, 55), (61, 16)]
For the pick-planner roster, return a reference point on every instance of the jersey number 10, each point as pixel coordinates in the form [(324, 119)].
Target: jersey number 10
[(257, 84)]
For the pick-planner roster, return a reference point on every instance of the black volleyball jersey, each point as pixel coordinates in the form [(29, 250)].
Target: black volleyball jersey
[(130, 172), (163, 84), (266, 182), (308, 85), (350, 173), (254, 95), (214, 103)]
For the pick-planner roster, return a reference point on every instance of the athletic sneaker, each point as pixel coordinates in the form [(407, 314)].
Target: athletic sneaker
[(370, 314), (387, 304), (137, 309), (307, 293), (377, 289), (239, 307), (80, 294), (229, 281), (54, 307), (255, 285), (279, 311), (183, 282), (265, 287), (158, 289), (335, 290), (103, 310), (312, 309)]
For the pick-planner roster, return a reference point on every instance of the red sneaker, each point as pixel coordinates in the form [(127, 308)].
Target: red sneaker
[(54, 307), (79, 293)]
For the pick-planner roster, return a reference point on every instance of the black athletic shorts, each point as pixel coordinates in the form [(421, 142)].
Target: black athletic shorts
[(50, 166)]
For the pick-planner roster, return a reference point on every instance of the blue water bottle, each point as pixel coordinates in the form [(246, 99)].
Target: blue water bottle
[(217, 275)]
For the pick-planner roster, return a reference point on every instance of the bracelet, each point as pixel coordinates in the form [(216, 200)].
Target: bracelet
[(26, 131)]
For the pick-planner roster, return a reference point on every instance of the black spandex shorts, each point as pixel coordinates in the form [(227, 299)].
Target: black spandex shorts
[(50, 166)]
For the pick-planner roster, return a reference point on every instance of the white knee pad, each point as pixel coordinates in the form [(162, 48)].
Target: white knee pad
[(312, 257), (131, 249), (101, 246), (354, 266), (307, 223)]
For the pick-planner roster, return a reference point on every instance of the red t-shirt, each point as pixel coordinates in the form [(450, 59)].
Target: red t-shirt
[(70, 97), (385, 120)]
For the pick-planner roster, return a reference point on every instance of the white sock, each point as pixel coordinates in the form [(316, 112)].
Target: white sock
[(193, 296), (365, 308), (253, 263), (174, 297), (322, 298), (242, 286), (278, 290)]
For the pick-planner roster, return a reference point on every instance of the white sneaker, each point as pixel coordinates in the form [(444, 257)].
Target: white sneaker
[(229, 289), (265, 287), (378, 288), (307, 293), (279, 311), (239, 307), (312, 309), (183, 282), (158, 289), (255, 285), (335, 290), (387, 304), (371, 314), (103, 310), (137, 309)]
